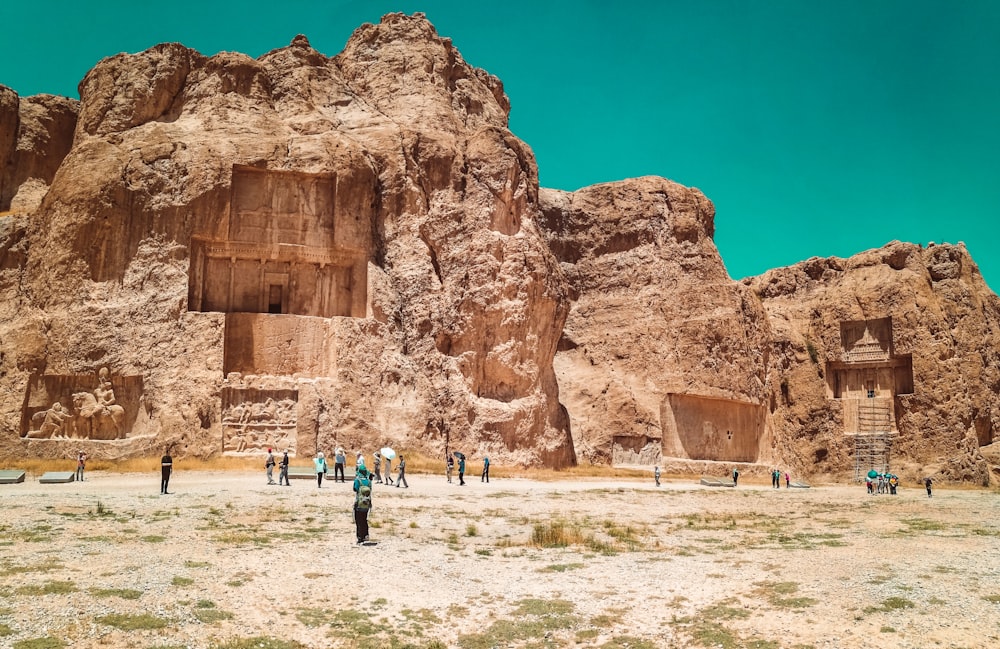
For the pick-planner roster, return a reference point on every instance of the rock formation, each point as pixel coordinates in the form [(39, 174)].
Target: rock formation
[(310, 252), (933, 365), (357, 233)]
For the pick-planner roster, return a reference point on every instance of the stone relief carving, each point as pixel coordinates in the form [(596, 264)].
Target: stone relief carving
[(67, 412), (255, 420)]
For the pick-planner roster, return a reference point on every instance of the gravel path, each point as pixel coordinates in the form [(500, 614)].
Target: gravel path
[(225, 558)]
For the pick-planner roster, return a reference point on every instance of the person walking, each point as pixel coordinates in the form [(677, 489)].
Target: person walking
[(401, 478), (269, 466), (166, 468), (362, 502), (339, 462), (486, 469), (928, 483), (656, 475), (449, 465), (377, 474), (283, 475), (320, 463), (388, 471), (461, 470), (81, 462), (736, 477)]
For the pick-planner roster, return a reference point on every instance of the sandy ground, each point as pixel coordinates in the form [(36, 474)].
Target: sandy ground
[(226, 558)]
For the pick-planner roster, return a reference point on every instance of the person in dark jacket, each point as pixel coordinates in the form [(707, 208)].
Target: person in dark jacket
[(362, 501), (166, 468), (284, 470)]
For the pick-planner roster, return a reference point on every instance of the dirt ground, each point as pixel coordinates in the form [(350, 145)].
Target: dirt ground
[(226, 560)]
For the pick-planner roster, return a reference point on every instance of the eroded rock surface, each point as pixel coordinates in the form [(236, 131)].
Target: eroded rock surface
[(310, 252), (397, 153)]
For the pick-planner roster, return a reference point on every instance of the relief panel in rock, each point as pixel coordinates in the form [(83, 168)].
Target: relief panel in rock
[(96, 406), (254, 420), (627, 449), (274, 344), (708, 428)]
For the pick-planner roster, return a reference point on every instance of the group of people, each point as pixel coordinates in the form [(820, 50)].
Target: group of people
[(776, 479), (883, 483), (340, 461), (450, 464)]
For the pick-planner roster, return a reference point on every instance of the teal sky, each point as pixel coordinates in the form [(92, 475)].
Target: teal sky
[(817, 129)]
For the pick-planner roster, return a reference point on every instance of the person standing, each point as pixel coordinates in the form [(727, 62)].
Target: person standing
[(656, 475), (401, 478), (788, 481), (377, 476), (449, 465), (388, 471), (339, 462), (320, 463), (362, 502), (81, 462), (461, 470), (269, 466), (283, 475), (928, 483), (486, 469), (166, 468), (736, 477)]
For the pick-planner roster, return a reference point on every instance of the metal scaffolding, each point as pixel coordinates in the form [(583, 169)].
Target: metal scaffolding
[(873, 441)]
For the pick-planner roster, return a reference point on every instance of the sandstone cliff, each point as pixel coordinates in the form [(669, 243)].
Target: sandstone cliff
[(224, 254), (35, 135), (398, 153), (938, 318), (656, 320)]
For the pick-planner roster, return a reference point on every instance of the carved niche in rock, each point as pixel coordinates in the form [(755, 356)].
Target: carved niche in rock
[(868, 376), (92, 406), (254, 420), (284, 252), (708, 428)]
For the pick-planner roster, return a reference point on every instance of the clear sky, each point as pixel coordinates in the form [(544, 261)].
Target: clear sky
[(816, 128)]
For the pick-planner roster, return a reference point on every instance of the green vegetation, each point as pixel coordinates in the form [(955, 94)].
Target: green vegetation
[(259, 642), (123, 593), (39, 643), (891, 604), (533, 619), (353, 623), (48, 588), (132, 622), (628, 642), (778, 595), (811, 350), (707, 630), (47, 565), (315, 617), (562, 567), (914, 525), (181, 581)]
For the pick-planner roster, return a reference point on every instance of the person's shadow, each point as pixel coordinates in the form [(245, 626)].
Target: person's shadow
[(368, 543)]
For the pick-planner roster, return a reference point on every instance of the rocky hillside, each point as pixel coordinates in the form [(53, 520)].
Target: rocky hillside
[(304, 252)]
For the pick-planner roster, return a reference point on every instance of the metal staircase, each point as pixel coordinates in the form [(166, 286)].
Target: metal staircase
[(873, 441)]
